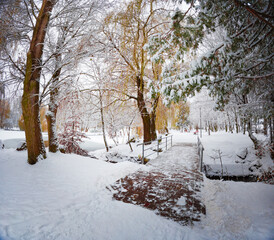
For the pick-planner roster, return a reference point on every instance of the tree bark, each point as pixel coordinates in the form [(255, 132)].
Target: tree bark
[(103, 121), (148, 119), (251, 136), (244, 126), (146, 128), (53, 104), (271, 137), (153, 119), (153, 127), (30, 98), (236, 121), (271, 120), (229, 123), (143, 110), (51, 114), (265, 126)]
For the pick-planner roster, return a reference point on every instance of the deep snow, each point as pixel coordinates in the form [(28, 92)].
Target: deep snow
[(65, 197)]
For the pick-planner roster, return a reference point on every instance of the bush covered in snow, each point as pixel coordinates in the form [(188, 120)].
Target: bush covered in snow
[(71, 136)]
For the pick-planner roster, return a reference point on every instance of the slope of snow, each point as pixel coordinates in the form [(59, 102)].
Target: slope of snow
[(65, 197)]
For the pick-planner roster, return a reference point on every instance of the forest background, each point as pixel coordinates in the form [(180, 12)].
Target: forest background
[(131, 67)]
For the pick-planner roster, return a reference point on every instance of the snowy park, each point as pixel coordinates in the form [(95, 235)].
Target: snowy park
[(136, 120), (67, 196)]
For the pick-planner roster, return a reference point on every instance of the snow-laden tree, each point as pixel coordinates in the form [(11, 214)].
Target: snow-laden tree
[(71, 133), (203, 113), (30, 98), (120, 119), (16, 24), (183, 116), (67, 38), (127, 31), (113, 109), (98, 94), (69, 41), (239, 66)]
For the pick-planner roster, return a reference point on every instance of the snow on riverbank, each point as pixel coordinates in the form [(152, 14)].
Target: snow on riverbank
[(237, 154)]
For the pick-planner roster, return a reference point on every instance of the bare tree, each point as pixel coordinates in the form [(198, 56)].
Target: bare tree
[(75, 23)]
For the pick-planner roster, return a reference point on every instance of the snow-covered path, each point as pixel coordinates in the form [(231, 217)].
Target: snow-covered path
[(171, 188)]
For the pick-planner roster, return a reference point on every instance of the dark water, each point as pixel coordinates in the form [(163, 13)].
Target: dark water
[(247, 178)]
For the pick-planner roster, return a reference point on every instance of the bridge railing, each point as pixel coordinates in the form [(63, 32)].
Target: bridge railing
[(200, 153), (155, 147)]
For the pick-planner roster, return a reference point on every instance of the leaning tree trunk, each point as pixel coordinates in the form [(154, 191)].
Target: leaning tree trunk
[(251, 136), (30, 98), (143, 110)]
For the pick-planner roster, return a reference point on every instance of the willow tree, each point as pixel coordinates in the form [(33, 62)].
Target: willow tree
[(128, 31), (30, 98)]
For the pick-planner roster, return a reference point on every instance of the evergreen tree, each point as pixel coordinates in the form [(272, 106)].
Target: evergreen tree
[(240, 67)]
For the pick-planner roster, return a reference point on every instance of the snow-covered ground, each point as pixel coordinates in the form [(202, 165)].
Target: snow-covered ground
[(236, 152), (65, 197), (238, 210)]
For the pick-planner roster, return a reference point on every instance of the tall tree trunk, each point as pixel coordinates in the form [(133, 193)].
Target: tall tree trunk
[(245, 118), (244, 126), (146, 128), (103, 121), (51, 114), (143, 110), (153, 126), (153, 118), (2, 104), (229, 123), (30, 98), (236, 120), (53, 104), (271, 121), (256, 125), (265, 126)]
